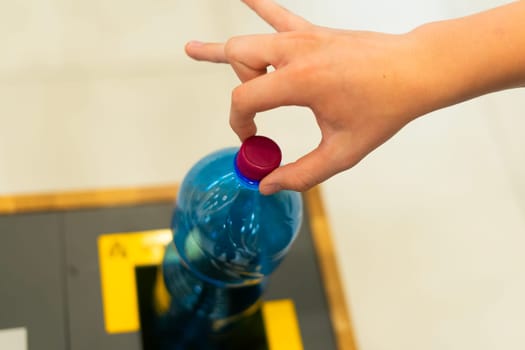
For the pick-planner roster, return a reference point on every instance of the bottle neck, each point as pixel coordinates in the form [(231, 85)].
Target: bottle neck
[(248, 183)]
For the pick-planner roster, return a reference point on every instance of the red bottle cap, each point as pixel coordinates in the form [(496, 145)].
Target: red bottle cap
[(258, 157)]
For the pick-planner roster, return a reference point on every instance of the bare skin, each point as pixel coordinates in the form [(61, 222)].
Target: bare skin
[(363, 87)]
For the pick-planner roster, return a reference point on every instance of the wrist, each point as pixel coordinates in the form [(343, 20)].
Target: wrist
[(463, 58), (442, 74)]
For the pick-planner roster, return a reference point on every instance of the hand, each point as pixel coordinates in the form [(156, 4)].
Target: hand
[(363, 87)]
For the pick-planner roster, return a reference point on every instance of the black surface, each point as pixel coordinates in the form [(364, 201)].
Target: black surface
[(64, 246), (299, 279), (83, 279), (32, 281), (249, 333)]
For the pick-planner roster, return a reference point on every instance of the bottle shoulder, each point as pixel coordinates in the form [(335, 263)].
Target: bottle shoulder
[(215, 178), (213, 166)]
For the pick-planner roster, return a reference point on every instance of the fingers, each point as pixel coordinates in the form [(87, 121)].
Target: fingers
[(263, 93), (212, 52), (277, 16), (305, 173), (245, 72), (250, 55)]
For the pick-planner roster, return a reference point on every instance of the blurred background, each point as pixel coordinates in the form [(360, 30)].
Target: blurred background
[(429, 229)]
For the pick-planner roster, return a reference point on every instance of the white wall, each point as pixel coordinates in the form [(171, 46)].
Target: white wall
[(429, 228)]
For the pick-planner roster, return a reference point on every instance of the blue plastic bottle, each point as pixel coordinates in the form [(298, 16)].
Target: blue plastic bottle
[(227, 238)]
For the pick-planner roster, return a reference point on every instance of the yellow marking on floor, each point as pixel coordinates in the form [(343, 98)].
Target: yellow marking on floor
[(281, 325), (118, 255)]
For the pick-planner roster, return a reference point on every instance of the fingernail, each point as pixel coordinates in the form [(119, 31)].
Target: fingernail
[(270, 189), (195, 43)]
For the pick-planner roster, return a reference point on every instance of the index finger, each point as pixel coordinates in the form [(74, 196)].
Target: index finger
[(211, 52)]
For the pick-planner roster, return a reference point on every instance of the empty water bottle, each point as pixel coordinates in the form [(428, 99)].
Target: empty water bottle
[(227, 238)]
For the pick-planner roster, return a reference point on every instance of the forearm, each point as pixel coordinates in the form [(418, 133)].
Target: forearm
[(471, 56)]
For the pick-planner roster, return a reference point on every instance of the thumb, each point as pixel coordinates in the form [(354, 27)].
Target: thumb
[(303, 174)]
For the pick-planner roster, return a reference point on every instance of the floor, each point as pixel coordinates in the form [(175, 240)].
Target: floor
[(429, 228)]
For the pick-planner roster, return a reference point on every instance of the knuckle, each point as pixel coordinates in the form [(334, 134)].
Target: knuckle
[(303, 181), (231, 48), (341, 155), (237, 97)]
